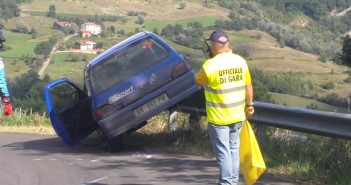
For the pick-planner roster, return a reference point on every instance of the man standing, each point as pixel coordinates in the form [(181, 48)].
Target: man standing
[(4, 93), (229, 101)]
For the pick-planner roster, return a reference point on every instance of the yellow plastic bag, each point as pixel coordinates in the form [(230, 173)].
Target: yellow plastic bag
[(252, 164)]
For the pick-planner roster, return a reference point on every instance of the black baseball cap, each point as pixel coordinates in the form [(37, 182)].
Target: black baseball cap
[(218, 36)]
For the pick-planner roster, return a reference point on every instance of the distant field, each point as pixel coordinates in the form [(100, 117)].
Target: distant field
[(42, 26), (14, 67), (155, 17), (159, 24), (265, 53), (294, 101), (156, 10), (20, 45), (60, 67)]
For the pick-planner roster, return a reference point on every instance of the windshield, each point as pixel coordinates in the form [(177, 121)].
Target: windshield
[(126, 63)]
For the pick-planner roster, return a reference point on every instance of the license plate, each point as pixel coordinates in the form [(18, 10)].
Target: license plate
[(151, 105)]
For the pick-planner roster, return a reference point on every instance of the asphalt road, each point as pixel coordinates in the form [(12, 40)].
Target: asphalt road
[(27, 159)]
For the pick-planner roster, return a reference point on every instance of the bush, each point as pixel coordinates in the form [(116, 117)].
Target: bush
[(348, 80), (323, 58), (244, 53), (321, 160), (328, 85)]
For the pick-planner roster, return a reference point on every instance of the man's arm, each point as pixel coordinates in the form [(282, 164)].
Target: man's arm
[(3, 84), (201, 77), (4, 93), (249, 94), (5, 99), (249, 107)]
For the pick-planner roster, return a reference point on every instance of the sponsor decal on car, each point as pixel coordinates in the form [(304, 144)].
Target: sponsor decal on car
[(152, 78), (121, 95)]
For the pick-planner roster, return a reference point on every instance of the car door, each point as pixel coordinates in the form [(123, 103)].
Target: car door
[(68, 108)]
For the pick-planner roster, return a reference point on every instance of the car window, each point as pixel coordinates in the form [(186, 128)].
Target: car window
[(126, 63), (63, 96)]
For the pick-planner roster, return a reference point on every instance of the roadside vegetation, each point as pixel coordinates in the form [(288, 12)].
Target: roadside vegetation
[(297, 52)]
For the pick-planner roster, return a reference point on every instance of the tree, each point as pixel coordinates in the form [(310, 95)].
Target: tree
[(34, 35), (113, 29), (27, 91), (182, 5), (312, 106), (43, 48), (52, 11), (140, 19), (123, 19), (8, 9), (73, 28), (22, 27), (121, 32), (323, 58), (346, 51), (24, 83), (155, 31)]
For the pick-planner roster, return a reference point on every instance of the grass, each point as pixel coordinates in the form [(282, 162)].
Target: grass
[(267, 56), (45, 130), (15, 67), (312, 160), (159, 24), (41, 24), (60, 67), (183, 139), (294, 101), (19, 43)]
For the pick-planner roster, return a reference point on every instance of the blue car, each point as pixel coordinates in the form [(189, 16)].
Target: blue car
[(124, 86)]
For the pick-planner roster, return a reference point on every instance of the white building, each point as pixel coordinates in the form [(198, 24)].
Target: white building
[(91, 27), (85, 45)]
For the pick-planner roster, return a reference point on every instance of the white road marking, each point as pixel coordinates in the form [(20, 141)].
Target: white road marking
[(97, 180)]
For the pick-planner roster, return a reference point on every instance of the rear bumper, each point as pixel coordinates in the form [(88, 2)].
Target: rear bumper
[(124, 119)]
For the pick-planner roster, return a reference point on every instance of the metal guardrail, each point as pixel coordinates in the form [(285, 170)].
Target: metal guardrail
[(323, 123)]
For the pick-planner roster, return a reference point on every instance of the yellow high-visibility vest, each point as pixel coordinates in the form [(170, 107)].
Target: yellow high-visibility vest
[(227, 75)]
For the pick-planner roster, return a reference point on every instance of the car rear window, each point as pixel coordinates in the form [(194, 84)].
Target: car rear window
[(125, 63)]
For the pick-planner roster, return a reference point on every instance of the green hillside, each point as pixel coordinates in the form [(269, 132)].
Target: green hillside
[(294, 101), (20, 44), (265, 52), (290, 47), (61, 66)]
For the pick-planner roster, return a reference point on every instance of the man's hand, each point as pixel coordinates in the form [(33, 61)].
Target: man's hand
[(7, 105), (249, 111)]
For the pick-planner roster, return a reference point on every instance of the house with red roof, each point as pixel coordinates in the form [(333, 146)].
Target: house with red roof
[(85, 45), (60, 25)]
